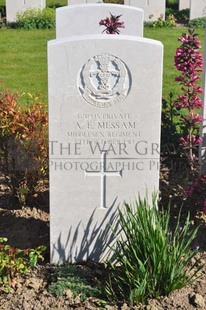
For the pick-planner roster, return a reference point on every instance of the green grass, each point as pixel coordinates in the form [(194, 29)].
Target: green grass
[(23, 54), (48, 2), (169, 38), (23, 66)]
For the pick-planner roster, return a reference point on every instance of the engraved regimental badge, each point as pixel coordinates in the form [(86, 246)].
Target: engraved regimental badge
[(104, 81)]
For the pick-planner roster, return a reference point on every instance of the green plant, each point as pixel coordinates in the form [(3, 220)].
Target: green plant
[(2, 24), (171, 2), (2, 9), (23, 145), (16, 261), (56, 3), (112, 24), (182, 15), (36, 19), (114, 1), (74, 278), (196, 193), (189, 61), (169, 11), (198, 22), (169, 125), (148, 259), (172, 160), (169, 22)]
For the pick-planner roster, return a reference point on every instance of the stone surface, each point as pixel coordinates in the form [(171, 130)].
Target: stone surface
[(152, 307), (15, 6), (153, 9), (35, 283), (197, 300), (184, 4), (104, 126), (69, 294), (67, 23), (84, 1), (197, 8)]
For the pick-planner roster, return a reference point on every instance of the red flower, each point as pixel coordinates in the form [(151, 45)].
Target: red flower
[(190, 141), (112, 24)]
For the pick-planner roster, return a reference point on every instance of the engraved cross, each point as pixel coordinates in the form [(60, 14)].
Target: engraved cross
[(103, 173)]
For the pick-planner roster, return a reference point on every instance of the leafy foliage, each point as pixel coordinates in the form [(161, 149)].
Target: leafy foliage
[(112, 24), (196, 193), (189, 61), (198, 22), (35, 19), (170, 117), (170, 3), (23, 144), (169, 22), (181, 119), (71, 277), (2, 10), (182, 15), (15, 261), (56, 3), (149, 260), (114, 1)]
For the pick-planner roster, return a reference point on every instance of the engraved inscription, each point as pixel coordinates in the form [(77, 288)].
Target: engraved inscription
[(103, 173), (104, 81)]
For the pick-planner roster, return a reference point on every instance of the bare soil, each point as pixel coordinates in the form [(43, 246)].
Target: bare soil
[(28, 227)]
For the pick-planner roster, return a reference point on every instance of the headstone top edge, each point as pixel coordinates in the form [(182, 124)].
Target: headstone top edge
[(99, 5), (105, 37)]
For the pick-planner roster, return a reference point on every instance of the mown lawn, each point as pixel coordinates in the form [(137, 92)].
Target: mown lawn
[(23, 54), (169, 38), (48, 2), (23, 66)]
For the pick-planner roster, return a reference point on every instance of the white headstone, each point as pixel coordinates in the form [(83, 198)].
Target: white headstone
[(153, 9), (17, 6), (84, 1), (104, 127), (197, 8), (89, 16), (184, 4)]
